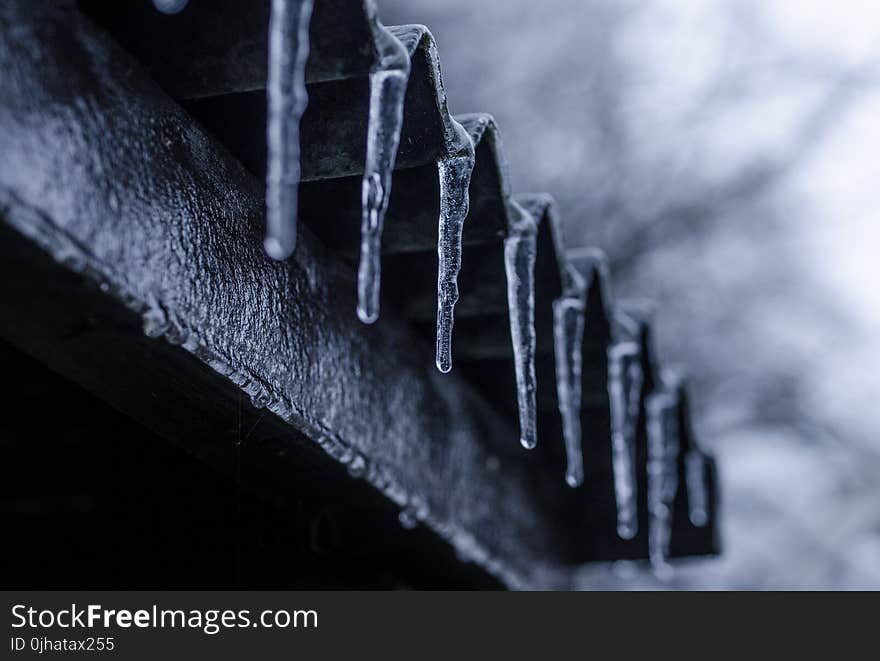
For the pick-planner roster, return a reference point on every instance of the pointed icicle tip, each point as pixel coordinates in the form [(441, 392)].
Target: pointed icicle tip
[(520, 251), (287, 99), (455, 179), (388, 81)]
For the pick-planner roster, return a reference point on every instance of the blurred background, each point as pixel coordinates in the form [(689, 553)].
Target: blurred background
[(725, 154)]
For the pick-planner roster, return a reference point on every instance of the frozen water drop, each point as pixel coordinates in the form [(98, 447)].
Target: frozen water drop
[(455, 179), (260, 399), (408, 518), (287, 100), (71, 258), (568, 332), (357, 467), (152, 329), (388, 81), (155, 322), (520, 249), (175, 335)]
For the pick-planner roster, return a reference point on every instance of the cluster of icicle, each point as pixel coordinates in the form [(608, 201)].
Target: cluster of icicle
[(389, 77), (625, 393), (664, 409)]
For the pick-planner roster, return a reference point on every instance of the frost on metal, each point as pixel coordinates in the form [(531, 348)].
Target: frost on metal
[(287, 99), (663, 449), (520, 252), (388, 80)]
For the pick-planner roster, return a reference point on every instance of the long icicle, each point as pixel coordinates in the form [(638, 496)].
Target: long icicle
[(624, 385), (287, 100), (568, 335), (388, 81), (663, 448), (455, 180), (520, 250)]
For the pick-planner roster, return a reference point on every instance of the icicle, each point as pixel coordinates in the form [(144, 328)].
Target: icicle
[(388, 81), (520, 250), (663, 448), (568, 334), (624, 386), (455, 179), (287, 100), (695, 479), (170, 6)]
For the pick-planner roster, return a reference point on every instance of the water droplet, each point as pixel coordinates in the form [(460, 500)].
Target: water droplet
[(408, 519), (175, 335), (260, 399), (155, 323), (71, 258), (357, 467)]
